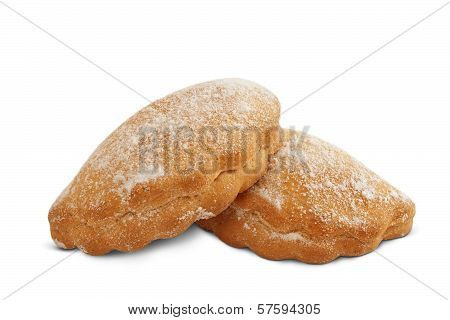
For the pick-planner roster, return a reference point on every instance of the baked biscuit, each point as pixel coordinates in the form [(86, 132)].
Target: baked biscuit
[(314, 204), (182, 158)]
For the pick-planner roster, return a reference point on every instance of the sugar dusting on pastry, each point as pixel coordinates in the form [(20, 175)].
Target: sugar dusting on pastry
[(147, 180), (122, 157), (315, 203), (200, 214), (354, 189)]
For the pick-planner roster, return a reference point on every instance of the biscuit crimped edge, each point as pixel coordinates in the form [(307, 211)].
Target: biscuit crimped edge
[(314, 204)]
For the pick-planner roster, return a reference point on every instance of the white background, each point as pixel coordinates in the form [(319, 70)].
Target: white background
[(392, 112)]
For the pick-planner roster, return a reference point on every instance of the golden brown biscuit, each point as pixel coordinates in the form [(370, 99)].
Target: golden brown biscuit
[(314, 204), (182, 158)]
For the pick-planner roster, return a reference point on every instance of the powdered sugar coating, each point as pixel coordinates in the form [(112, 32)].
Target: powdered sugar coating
[(164, 167), (145, 149), (199, 214), (314, 203), (335, 189)]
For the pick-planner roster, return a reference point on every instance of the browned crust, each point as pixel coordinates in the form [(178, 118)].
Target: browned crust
[(299, 229), (109, 206)]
